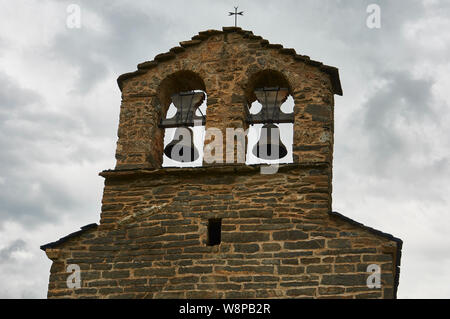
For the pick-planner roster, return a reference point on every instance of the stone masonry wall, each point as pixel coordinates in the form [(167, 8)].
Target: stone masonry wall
[(278, 240), (278, 237)]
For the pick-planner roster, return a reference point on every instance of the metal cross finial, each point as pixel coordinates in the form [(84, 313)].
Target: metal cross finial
[(235, 14)]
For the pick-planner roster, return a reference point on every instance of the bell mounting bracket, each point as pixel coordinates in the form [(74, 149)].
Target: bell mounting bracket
[(271, 99), (187, 104)]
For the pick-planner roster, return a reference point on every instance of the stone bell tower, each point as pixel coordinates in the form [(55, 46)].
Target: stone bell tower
[(224, 230)]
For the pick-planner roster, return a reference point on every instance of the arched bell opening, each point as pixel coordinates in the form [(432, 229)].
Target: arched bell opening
[(270, 117), (183, 99)]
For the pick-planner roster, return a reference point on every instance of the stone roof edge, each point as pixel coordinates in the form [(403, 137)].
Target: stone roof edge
[(214, 168), (64, 239), (203, 35), (381, 234)]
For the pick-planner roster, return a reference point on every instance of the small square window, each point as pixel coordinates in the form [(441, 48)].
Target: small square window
[(214, 230)]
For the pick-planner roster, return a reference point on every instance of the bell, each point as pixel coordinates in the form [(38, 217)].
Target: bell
[(269, 146), (182, 148)]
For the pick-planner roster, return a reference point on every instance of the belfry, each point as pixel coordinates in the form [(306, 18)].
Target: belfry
[(224, 229)]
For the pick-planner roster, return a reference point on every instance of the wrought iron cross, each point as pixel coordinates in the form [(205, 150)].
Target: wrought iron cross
[(235, 14)]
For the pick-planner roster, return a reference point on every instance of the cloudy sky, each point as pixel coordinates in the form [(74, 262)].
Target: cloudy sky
[(59, 110)]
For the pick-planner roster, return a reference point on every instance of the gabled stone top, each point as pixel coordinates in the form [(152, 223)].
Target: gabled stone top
[(143, 67)]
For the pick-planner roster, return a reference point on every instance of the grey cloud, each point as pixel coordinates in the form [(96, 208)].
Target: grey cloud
[(378, 132), (32, 137), (78, 49), (31, 201), (133, 35), (401, 105), (12, 96), (6, 253), (388, 141)]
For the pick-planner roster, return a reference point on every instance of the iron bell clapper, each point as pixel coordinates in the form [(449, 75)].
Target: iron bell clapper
[(269, 146), (182, 148)]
